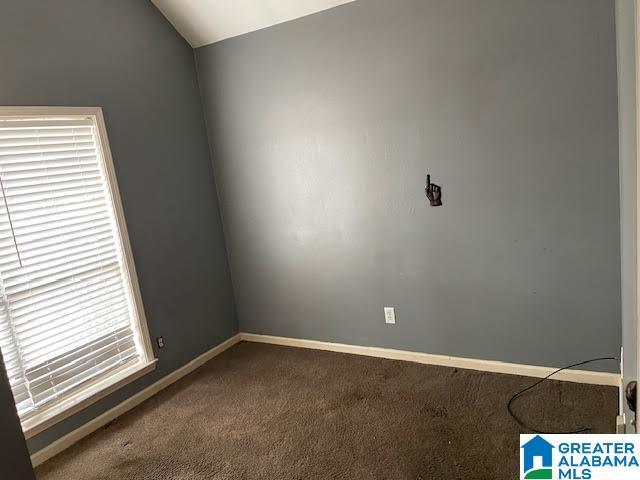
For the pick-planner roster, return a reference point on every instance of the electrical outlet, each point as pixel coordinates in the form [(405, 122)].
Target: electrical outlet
[(160, 341), (390, 315)]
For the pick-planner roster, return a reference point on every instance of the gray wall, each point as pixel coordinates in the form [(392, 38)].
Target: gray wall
[(14, 456), (323, 129), (124, 56), (625, 22)]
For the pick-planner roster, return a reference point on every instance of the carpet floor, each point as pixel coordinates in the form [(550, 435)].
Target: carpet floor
[(269, 412)]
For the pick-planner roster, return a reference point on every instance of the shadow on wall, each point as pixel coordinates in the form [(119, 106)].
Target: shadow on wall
[(14, 456), (323, 128)]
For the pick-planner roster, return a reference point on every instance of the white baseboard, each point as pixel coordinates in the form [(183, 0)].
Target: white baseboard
[(69, 439), (577, 376)]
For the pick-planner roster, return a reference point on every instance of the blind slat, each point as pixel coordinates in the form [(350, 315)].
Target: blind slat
[(45, 147), (123, 338), (24, 141), (65, 312), (29, 279), (35, 125), (42, 176), (18, 166), (6, 132), (72, 232), (46, 293), (73, 319), (91, 371), (118, 337)]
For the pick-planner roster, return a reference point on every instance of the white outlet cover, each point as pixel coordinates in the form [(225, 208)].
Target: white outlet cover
[(390, 315)]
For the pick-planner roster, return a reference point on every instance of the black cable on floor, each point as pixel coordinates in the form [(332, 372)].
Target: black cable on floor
[(527, 427)]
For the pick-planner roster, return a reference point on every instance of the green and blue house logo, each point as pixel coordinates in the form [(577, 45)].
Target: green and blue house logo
[(537, 459)]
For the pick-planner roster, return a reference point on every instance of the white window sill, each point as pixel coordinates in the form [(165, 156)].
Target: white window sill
[(85, 396)]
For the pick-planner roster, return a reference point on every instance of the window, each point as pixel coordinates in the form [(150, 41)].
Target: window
[(72, 325)]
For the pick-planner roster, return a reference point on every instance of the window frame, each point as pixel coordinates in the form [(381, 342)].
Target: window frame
[(100, 387)]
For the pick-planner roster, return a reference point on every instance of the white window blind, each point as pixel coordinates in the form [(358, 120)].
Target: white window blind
[(67, 313)]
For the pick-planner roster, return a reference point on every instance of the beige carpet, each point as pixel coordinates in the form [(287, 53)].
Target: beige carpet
[(277, 413)]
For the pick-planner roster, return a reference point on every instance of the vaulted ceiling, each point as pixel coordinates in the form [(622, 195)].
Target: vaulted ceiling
[(202, 22)]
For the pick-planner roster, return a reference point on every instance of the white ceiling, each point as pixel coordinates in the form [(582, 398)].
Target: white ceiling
[(202, 22)]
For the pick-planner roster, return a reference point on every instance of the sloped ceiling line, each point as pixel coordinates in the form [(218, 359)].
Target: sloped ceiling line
[(202, 22)]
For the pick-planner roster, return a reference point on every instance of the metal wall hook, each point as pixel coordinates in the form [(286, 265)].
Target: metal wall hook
[(433, 192)]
